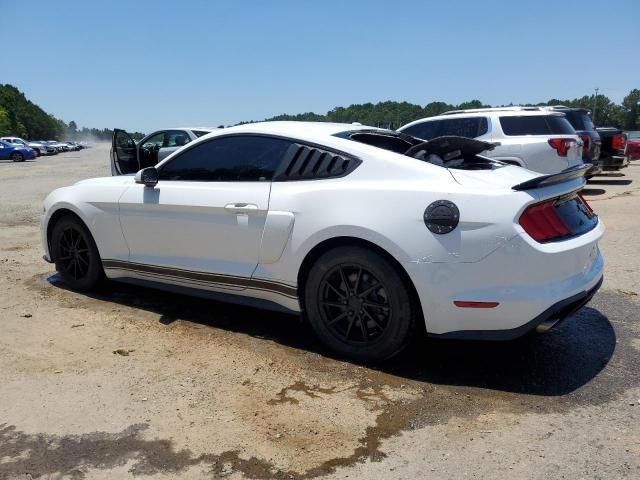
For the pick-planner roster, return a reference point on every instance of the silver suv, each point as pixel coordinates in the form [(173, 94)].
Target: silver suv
[(531, 137)]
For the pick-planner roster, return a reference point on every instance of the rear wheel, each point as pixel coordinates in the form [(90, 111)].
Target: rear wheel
[(358, 304), (76, 254), (17, 157)]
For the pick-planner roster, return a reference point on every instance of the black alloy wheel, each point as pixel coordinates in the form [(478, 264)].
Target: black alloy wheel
[(354, 304), (17, 157), (359, 304), (76, 254)]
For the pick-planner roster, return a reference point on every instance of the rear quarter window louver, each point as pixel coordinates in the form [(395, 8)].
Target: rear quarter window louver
[(303, 162)]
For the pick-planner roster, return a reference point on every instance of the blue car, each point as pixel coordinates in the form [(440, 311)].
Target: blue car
[(17, 153)]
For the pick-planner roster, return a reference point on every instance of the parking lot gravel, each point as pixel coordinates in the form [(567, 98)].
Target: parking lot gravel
[(129, 382)]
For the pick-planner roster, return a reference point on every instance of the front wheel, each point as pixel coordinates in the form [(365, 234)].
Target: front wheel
[(17, 157), (359, 305), (76, 254)]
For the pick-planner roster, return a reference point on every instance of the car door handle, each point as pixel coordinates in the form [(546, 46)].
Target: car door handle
[(240, 207)]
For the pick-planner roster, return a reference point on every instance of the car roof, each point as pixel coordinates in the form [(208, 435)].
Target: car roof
[(518, 109), (507, 112), (208, 129), (562, 108), (298, 128), (320, 133)]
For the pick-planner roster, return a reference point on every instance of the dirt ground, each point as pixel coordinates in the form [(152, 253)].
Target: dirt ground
[(131, 382)]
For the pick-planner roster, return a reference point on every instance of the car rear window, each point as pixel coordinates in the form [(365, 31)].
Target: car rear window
[(579, 119), (536, 125)]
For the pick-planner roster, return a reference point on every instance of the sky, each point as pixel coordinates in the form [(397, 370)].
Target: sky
[(145, 65)]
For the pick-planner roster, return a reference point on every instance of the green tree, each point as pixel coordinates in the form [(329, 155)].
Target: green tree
[(72, 130), (630, 111), (5, 125), (25, 118)]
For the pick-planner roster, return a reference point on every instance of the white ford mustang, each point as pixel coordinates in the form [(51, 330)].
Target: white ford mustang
[(372, 234)]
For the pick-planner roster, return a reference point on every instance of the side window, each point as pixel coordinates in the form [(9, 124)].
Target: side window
[(483, 127), (123, 140), (469, 127), (175, 138), (536, 125), (199, 133), (155, 141), (424, 130), (238, 158), (524, 125)]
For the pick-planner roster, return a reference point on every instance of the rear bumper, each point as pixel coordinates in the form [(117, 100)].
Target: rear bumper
[(544, 322), (615, 162), (530, 282)]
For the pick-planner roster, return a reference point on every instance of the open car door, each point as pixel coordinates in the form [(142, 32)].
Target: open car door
[(124, 154)]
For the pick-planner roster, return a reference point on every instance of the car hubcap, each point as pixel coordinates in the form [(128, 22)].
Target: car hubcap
[(354, 304), (74, 253)]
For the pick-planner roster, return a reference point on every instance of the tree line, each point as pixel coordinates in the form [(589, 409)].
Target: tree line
[(21, 117), (393, 115)]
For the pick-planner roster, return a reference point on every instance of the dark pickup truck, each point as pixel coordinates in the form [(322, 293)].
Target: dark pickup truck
[(613, 149)]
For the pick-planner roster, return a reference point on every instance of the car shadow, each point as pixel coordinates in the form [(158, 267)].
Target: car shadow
[(553, 364), (11, 162), (610, 182), (593, 191)]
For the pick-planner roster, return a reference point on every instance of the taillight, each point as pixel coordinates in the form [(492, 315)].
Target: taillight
[(542, 222), (618, 142), (562, 145), (586, 140)]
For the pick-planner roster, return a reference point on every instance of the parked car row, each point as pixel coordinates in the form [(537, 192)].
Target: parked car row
[(45, 147), (15, 152), (542, 139)]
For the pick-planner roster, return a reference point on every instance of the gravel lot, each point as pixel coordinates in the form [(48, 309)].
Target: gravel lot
[(203, 390)]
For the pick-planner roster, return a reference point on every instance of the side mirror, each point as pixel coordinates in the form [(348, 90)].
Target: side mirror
[(148, 176)]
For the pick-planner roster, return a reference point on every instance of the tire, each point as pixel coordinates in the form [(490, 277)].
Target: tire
[(17, 157), (75, 254), (337, 315)]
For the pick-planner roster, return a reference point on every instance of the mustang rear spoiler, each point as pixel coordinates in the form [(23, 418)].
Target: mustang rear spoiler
[(570, 173)]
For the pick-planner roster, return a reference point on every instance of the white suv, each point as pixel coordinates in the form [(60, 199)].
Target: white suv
[(534, 138)]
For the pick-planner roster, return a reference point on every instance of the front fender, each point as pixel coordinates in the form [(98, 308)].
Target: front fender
[(100, 216)]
